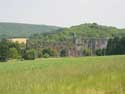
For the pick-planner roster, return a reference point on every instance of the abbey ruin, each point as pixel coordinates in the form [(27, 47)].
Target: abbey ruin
[(73, 46)]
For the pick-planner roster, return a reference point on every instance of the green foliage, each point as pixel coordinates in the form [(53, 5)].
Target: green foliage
[(39, 53), (63, 53), (4, 50), (49, 52), (100, 52), (29, 54), (87, 52), (116, 46), (52, 33), (9, 50), (10, 30), (15, 45), (82, 31), (13, 53), (46, 55)]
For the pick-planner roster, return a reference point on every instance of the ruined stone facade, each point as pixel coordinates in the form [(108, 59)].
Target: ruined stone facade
[(75, 46)]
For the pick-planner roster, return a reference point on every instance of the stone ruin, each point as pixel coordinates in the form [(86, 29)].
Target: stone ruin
[(75, 46)]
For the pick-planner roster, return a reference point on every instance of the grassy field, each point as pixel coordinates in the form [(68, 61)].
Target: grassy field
[(85, 75)]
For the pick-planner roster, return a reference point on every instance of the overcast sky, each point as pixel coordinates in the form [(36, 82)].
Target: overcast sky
[(64, 12)]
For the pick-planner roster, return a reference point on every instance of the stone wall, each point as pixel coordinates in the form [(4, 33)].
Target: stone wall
[(74, 47)]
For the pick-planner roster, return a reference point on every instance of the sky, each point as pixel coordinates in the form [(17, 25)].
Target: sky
[(64, 13)]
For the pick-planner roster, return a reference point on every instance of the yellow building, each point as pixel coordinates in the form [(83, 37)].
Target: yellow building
[(19, 40)]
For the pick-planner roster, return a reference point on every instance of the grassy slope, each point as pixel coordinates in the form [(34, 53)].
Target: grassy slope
[(90, 75)]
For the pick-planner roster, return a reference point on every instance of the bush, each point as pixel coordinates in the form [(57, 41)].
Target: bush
[(13, 53), (3, 59), (87, 52), (46, 55), (100, 52), (50, 52), (39, 53), (29, 54), (63, 53)]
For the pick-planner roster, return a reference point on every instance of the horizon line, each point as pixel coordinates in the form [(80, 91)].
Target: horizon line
[(61, 26)]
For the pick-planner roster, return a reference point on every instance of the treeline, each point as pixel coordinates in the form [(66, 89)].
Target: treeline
[(115, 46), (10, 50)]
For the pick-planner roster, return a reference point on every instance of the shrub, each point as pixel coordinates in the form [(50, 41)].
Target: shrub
[(3, 59), (29, 54), (100, 52), (46, 55), (87, 52), (63, 53), (50, 52), (39, 54), (13, 53)]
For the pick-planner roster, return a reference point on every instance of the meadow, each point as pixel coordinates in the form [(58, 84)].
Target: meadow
[(82, 75)]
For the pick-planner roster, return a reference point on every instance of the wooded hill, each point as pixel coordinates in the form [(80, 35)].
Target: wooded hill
[(81, 31), (10, 30), (54, 33)]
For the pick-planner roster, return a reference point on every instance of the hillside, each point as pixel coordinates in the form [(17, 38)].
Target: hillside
[(45, 32), (8, 30), (82, 31)]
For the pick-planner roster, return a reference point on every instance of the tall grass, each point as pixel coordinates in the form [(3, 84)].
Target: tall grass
[(85, 75)]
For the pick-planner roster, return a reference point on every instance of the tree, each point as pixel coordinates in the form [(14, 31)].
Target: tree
[(63, 53), (39, 53), (4, 50), (46, 55), (29, 54), (116, 46), (50, 52), (122, 47), (15, 45), (100, 52), (87, 52), (13, 53), (109, 47)]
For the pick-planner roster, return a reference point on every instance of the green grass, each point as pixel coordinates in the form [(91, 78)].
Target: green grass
[(84, 75)]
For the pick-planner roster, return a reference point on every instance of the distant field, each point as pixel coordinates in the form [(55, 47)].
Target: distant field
[(85, 75)]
